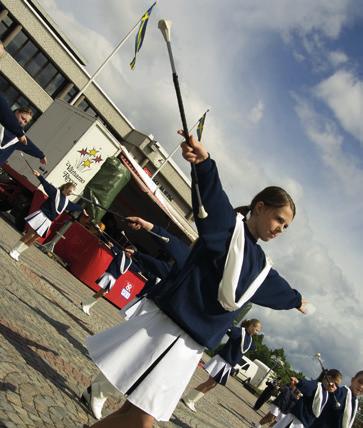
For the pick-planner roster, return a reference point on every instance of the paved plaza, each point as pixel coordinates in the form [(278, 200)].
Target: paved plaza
[(44, 365)]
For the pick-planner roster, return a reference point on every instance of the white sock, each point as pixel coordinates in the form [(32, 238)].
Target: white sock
[(194, 395), (90, 302)]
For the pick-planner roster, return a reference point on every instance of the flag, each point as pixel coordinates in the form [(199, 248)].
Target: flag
[(201, 126), (141, 34)]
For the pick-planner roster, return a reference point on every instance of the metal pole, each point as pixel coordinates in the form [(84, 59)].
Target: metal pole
[(82, 90)]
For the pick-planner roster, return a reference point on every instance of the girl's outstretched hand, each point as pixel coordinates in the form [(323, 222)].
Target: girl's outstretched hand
[(138, 223), (305, 307), (193, 150), (36, 173)]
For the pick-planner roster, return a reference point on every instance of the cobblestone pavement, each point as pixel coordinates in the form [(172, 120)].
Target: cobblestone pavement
[(44, 366)]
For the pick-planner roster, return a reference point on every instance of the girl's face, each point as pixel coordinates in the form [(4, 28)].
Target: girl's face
[(67, 191), (23, 118), (330, 384), (357, 386), (270, 222), (254, 329)]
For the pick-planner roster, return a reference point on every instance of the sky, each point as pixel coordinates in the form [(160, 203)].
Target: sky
[(283, 80)]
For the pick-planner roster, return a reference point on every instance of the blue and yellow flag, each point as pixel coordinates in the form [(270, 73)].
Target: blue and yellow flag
[(141, 34), (201, 126)]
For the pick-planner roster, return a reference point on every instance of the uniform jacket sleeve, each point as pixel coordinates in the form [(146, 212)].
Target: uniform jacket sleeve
[(31, 149), (307, 387), (50, 190), (176, 248), (276, 293), (217, 228), (73, 207), (150, 264), (8, 118)]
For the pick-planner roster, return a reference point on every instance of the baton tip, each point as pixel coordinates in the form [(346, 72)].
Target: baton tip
[(202, 213)]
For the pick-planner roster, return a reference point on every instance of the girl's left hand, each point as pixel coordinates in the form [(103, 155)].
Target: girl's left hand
[(36, 173), (303, 307)]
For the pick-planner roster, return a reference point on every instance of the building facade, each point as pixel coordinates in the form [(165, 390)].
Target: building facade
[(40, 64)]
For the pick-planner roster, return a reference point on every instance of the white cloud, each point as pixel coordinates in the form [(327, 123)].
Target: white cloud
[(343, 93), (338, 58), (256, 113), (324, 134)]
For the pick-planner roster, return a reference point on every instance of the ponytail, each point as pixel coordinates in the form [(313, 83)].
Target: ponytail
[(244, 210)]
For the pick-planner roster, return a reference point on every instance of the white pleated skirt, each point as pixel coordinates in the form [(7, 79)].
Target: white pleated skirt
[(106, 281), (290, 421), (274, 410), (218, 369), (149, 358), (39, 222), (135, 307)]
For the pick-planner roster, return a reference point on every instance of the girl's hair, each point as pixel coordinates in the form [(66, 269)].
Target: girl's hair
[(334, 374), (272, 196), (248, 323), (360, 373), (26, 110), (66, 185)]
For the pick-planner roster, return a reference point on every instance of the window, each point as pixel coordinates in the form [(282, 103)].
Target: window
[(15, 98), (5, 25), (37, 64)]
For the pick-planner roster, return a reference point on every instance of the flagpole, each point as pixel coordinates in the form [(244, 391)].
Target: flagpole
[(175, 150), (82, 90)]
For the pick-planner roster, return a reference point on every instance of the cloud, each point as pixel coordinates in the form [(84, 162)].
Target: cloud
[(256, 113), (343, 94), (324, 133), (338, 58)]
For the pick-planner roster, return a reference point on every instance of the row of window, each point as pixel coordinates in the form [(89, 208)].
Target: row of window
[(15, 98), (26, 52), (38, 64)]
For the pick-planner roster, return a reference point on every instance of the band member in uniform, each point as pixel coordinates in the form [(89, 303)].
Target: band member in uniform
[(220, 366), (40, 221), (12, 135), (342, 415), (314, 399), (193, 307)]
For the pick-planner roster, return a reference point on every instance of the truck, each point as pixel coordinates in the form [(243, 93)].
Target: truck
[(254, 374)]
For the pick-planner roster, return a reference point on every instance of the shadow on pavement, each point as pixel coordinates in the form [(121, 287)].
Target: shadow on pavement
[(61, 328), (6, 386), (24, 348), (77, 320), (236, 414)]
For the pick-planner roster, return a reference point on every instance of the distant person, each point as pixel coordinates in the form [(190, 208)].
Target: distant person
[(314, 399), (220, 366), (342, 415), (12, 135), (282, 405), (40, 221), (271, 389)]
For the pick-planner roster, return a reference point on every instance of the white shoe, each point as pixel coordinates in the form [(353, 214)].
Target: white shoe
[(97, 406), (86, 309), (189, 404), (14, 255)]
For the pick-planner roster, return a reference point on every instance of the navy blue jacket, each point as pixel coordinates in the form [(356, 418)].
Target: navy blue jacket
[(286, 400), (303, 409), (231, 351), (30, 148), (155, 268), (8, 119), (48, 207), (331, 416), (189, 296)]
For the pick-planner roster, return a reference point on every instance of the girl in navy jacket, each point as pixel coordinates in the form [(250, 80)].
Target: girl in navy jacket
[(220, 366), (314, 399), (40, 221), (12, 135), (342, 415), (194, 307)]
